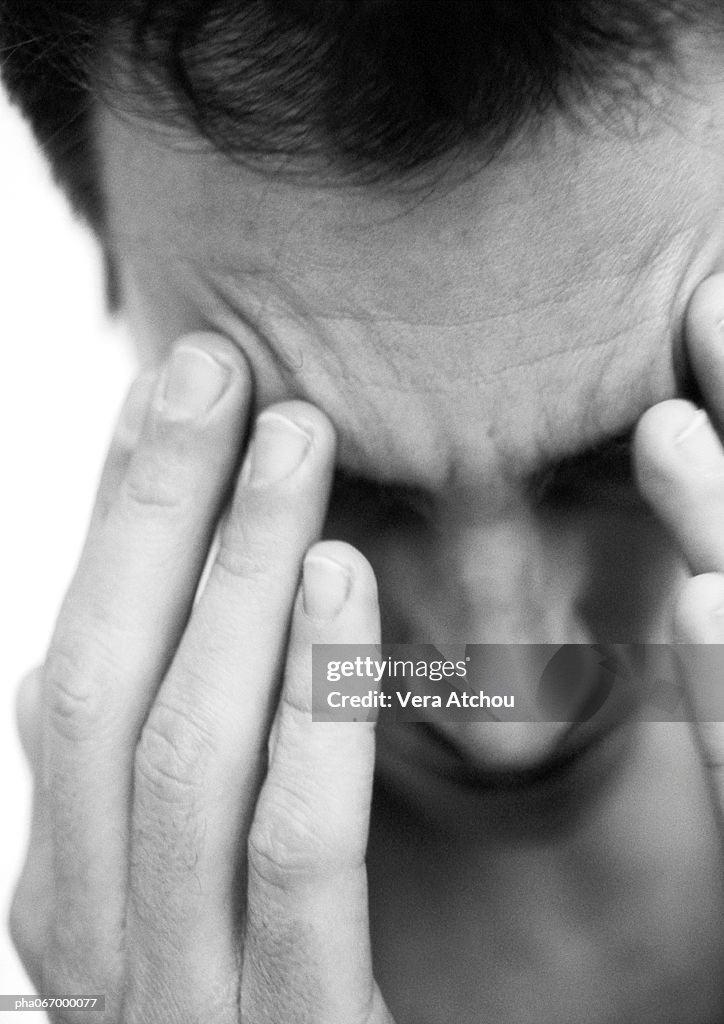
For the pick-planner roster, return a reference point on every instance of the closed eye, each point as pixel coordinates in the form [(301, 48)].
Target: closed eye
[(599, 473)]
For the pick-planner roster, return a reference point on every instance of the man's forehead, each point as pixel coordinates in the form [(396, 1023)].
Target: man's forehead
[(552, 280), (524, 231)]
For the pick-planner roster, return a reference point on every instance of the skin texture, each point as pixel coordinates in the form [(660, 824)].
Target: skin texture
[(460, 335), (450, 341)]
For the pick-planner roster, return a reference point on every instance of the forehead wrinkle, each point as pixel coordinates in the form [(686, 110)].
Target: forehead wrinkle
[(281, 307), (528, 308), (320, 304), (619, 269), (282, 318), (291, 316)]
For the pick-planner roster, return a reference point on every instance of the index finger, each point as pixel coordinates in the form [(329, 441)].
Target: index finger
[(699, 625), (120, 623)]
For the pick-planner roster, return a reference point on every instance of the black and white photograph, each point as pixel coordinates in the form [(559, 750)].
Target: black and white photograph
[(362, 411)]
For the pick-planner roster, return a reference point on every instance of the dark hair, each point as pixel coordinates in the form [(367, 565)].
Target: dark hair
[(378, 86)]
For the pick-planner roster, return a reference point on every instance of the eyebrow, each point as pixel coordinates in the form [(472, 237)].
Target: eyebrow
[(607, 464), (562, 480), (600, 471)]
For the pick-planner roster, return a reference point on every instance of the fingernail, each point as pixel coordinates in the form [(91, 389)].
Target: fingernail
[(277, 448), (697, 421), (325, 586), (699, 444), (192, 384)]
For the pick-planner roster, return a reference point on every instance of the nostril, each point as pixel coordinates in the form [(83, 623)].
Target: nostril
[(567, 699), (577, 682)]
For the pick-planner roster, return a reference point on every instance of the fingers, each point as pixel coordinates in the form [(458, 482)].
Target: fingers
[(120, 623), (306, 945), (699, 623), (125, 438), (679, 461), (202, 752), (679, 464), (28, 709), (679, 458), (32, 898)]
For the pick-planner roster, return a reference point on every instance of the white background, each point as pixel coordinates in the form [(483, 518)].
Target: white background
[(63, 374)]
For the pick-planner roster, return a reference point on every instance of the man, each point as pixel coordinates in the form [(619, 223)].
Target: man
[(459, 243)]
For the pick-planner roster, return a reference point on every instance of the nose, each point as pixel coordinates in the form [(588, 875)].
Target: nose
[(537, 703), (523, 586)]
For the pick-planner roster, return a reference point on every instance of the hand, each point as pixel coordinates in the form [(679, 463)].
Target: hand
[(198, 843), (679, 459)]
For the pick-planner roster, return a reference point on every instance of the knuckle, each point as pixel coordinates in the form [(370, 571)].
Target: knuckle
[(73, 689), (253, 544), (274, 858), (158, 480), (143, 491), (286, 846), (257, 539), (241, 563), (247, 551), (173, 753)]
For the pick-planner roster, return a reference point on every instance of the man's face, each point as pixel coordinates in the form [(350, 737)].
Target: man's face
[(461, 335)]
